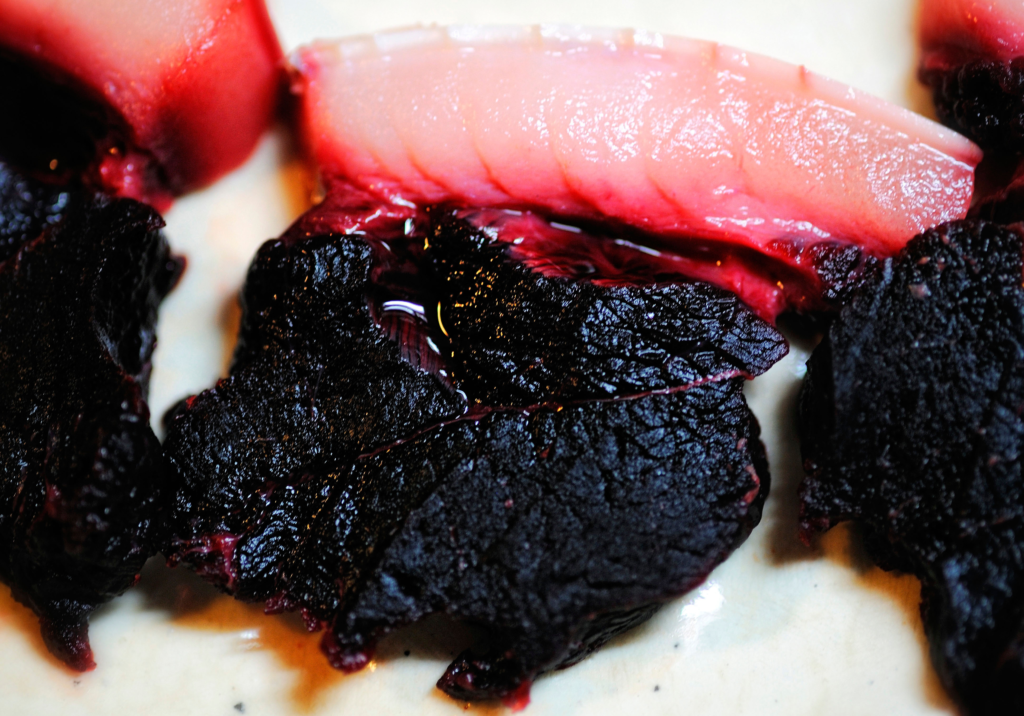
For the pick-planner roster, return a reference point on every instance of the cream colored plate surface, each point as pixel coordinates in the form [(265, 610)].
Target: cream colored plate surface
[(778, 629)]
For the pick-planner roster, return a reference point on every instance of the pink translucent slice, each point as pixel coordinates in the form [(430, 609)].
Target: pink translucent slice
[(679, 138)]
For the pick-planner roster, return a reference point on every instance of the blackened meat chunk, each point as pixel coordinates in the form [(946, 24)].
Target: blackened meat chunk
[(516, 337), (551, 404), (911, 424), (544, 527), (82, 478)]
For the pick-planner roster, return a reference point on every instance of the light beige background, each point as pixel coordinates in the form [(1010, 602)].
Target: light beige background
[(778, 629)]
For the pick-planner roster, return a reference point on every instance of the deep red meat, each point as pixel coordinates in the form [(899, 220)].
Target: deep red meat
[(146, 98)]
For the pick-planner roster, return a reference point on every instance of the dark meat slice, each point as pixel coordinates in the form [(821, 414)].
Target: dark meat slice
[(519, 338), (298, 470), (984, 99), (82, 479), (544, 527), (911, 424), (972, 59)]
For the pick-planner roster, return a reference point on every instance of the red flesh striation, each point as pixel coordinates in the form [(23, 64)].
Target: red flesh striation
[(789, 171), (187, 87)]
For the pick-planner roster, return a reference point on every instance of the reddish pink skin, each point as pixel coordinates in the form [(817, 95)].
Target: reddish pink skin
[(437, 116), (953, 32), (196, 82)]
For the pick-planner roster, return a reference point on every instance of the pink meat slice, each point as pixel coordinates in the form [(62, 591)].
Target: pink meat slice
[(957, 31), (677, 138), (196, 82)]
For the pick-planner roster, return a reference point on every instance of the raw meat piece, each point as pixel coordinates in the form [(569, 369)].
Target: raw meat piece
[(82, 479), (911, 425), (690, 142), (146, 99), (365, 387)]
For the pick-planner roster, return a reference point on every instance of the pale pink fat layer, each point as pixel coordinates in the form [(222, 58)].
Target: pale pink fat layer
[(673, 136), (955, 30)]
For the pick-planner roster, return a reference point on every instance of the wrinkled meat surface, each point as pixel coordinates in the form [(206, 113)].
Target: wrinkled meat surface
[(82, 479), (911, 425), (417, 422)]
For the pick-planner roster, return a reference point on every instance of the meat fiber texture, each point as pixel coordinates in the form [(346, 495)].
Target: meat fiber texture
[(687, 141), (910, 422), (82, 479), (142, 98), (418, 423)]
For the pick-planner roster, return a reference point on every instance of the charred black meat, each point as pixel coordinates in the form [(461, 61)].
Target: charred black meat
[(82, 479), (546, 457), (911, 424)]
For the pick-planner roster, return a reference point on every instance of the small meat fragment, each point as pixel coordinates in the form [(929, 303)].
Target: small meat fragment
[(367, 387), (517, 338), (911, 424), (82, 480)]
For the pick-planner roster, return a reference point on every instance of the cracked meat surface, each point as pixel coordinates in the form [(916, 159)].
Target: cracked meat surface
[(539, 522), (82, 478), (335, 460), (911, 425)]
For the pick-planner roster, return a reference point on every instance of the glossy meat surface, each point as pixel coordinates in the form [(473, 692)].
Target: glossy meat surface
[(82, 479), (167, 95), (677, 138), (366, 386), (911, 425)]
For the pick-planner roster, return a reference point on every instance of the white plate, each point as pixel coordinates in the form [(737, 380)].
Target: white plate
[(778, 629)]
